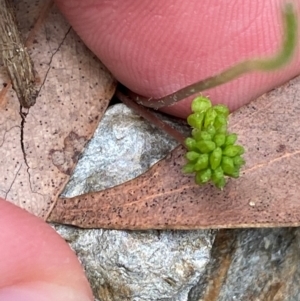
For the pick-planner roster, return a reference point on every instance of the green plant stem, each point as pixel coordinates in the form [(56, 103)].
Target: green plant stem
[(266, 64)]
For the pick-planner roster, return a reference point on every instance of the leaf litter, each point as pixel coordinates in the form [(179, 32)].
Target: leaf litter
[(39, 150), (39, 147), (266, 194)]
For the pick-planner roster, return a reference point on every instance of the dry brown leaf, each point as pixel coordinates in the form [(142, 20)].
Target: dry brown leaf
[(39, 150), (266, 195)]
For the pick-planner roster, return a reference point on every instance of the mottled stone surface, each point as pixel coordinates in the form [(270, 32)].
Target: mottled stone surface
[(254, 264), (123, 147), (141, 265), (264, 265)]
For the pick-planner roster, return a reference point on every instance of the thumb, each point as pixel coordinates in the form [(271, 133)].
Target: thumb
[(35, 262), (157, 47)]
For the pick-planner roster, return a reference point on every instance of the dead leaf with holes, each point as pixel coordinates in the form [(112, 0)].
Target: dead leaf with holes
[(266, 195), (39, 149)]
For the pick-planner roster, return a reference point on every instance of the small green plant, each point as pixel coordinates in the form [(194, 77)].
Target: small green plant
[(212, 152)]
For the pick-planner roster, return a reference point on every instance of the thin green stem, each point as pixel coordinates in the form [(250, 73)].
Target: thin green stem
[(265, 64)]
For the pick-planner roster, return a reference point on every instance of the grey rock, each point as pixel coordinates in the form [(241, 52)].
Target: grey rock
[(265, 264), (253, 264), (141, 265), (123, 147)]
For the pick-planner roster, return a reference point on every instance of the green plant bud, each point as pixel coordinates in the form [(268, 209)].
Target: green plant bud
[(206, 146), (241, 149), (211, 130), (215, 158), (227, 165), (220, 122), (210, 117), (212, 153), (220, 139), (220, 183), (196, 134), (190, 143), (202, 162), (200, 135), (205, 136), (217, 174), (235, 174), (222, 129), (203, 176), (196, 120), (233, 150), (238, 161), (192, 156), (222, 109), (231, 139), (188, 168), (200, 104)]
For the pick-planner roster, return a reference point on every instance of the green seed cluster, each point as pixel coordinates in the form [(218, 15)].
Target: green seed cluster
[(212, 152)]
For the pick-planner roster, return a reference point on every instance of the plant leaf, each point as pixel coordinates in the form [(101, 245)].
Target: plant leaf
[(266, 194), (38, 153)]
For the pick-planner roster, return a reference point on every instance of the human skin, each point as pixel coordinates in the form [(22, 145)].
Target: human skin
[(154, 48), (157, 47), (36, 263)]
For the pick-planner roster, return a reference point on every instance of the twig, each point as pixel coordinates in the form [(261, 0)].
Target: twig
[(148, 115), (15, 56)]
